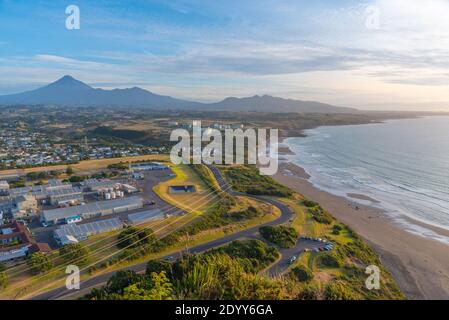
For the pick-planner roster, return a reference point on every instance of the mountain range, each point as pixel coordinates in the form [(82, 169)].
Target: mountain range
[(69, 91)]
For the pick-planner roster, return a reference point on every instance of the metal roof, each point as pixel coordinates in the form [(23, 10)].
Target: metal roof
[(84, 230), (91, 208), (144, 216)]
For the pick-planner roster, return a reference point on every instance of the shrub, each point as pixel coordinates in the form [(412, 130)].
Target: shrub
[(75, 252), (283, 236), (158, 266), (302, 273), (338, 290), (329, 260), (309, 203), (3, 280), (132, 237), (39, 262)]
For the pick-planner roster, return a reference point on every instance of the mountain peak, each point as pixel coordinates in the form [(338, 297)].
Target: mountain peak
[(69, 82)]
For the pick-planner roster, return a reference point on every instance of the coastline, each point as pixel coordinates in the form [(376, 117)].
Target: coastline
[(419, 265)]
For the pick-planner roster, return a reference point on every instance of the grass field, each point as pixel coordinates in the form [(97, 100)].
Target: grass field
[(86, 166), (196, 202)]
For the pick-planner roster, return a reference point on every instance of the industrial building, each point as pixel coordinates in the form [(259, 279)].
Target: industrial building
[(91, 210), (95, 185), (148, 166), (20, 206), (145, 216), (50, 192), (73, 233)]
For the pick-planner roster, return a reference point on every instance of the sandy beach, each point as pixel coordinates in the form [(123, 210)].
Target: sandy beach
[(419, 265)]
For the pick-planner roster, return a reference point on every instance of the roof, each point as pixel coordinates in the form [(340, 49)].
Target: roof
[(99, 206), (144, 216), (86, 229)]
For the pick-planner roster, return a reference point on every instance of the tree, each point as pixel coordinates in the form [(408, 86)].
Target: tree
[(2, 267), (3, 280), (283, 236), (161, 289), (158, 266), (133, 237), (39, 262), (74, 252), (120, 280), (69, 171)]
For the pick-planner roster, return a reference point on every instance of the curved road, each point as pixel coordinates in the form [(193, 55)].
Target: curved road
[(274, 270)]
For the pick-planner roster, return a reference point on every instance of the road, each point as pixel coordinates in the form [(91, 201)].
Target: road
[(274, 270)]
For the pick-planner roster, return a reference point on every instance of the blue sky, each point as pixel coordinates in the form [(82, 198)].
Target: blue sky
[(207, 50)]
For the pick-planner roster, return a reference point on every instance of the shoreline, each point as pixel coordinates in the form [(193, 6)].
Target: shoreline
[(419, 265)]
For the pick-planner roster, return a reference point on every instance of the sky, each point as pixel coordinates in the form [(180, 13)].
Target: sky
[(372, 54)]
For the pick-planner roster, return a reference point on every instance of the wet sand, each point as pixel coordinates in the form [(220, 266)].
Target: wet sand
[(419, 265)]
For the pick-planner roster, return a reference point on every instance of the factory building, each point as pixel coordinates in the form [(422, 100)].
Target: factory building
[(73, 233), (91, 210), (95, 185), (50, 192), (145, 216), (148, 166)]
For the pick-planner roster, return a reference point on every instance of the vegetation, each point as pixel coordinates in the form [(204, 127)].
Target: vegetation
[(302, 273), (339, 290), (118, 166), (39, 263), (283, 236), (69, 171), (219, 274), (133, 237), (74, 252), (248, 180), (317, 212), (3, 280), (329, 260)]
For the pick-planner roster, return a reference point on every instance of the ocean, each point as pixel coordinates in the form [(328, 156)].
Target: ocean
[(401, 164)]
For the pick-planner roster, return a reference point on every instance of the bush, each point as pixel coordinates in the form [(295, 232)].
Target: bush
[(338, 290), (310, 203), (120, 280), (302, 273), (132, 237), (158, 266), (257, 254), (74, 252), (247, 179), (39, 263), (329, 260), (3, 280), (321, 216), (283, 236)]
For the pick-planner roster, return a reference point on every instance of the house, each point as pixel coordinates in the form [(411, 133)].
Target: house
[(16, 242), (4, 188)]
